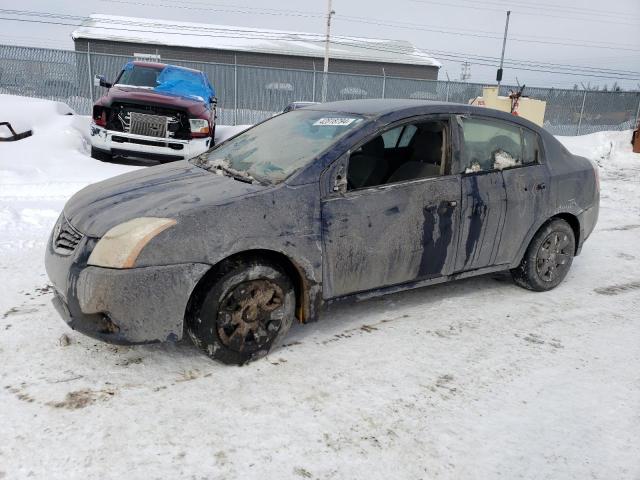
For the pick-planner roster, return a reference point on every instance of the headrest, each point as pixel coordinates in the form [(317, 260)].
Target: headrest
[(374, 147)]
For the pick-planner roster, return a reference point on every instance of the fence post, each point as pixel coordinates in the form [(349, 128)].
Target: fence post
[(447, 99), (637, 114), (584, 98), (384, 82), (90, 73), (313, 92), (235, 90)]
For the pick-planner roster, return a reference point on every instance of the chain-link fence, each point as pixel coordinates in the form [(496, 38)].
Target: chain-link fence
[(248, 94)]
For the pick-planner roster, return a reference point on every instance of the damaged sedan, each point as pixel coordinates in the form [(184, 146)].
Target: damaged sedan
[(338, 200)]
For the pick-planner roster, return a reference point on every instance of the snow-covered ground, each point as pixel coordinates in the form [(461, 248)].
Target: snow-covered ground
[(474, 379)]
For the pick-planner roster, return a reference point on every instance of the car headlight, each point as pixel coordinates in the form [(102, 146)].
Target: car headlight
[(121, 245), (199, 125)]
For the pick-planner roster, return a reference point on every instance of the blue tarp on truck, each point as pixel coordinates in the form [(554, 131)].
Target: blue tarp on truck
[(181, 81)]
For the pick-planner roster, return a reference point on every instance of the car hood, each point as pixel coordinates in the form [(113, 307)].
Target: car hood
[(163, 191), (143, 96)]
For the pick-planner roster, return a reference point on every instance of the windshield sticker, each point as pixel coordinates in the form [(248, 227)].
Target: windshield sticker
[(335, 121)]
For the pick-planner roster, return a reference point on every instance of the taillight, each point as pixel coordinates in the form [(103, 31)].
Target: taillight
[(100, 116)]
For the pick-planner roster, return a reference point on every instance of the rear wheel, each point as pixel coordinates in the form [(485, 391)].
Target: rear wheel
[(244, 311), (548, 257), (101, 155)]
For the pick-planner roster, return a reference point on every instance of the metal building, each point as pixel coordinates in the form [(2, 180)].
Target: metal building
[(165, 39)]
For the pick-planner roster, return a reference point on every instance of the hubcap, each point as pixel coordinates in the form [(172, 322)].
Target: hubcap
[(250, 315), (554, 256)]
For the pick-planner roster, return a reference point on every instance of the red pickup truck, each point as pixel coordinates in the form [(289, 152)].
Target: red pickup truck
[(154, 111)]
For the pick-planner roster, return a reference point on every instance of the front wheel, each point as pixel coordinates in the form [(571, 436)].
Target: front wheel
[(548, 257), (244, 311)]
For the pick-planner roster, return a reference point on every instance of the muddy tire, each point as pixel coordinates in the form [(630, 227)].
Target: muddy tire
[(243, 311), (548, 257), (101, 155)]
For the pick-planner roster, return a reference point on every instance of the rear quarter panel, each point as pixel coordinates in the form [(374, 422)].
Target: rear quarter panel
[(572, 190)]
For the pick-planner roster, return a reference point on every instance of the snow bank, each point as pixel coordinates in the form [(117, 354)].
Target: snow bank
[(54, 161), (25, 114), (612, 151)]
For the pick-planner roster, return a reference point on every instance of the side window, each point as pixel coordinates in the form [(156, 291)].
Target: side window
[(490, 145), (424, 155), (407, 135), (391, 137), (531, 150)]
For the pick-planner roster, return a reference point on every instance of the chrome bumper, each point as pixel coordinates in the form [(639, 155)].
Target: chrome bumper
[(129, 144)]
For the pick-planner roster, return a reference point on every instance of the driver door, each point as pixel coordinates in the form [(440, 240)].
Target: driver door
[(401, 229)]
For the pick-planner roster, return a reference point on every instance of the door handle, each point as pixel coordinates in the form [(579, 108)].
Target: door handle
[(541, 186)]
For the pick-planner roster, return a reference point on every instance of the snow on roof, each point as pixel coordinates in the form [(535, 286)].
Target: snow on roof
[(243, 39)]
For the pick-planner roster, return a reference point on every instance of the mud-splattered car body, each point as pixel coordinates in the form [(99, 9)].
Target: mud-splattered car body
[(334, 240)]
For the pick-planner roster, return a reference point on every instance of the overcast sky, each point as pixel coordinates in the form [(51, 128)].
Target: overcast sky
[(605, 35)]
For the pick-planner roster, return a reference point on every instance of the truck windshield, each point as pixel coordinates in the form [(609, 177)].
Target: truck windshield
[(139, 77), (271, 151)]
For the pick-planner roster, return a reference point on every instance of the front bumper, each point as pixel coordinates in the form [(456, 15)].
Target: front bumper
[(137, 305), (131, 145)]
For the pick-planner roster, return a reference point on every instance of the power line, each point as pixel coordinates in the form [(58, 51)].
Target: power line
[(478, 33), (198, 27), (379, 22), (515, 66), (225, 8), (536, 13), (233, 33)]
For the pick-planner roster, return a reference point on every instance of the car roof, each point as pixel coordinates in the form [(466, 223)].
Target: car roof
[(380, 107), (375, 106)]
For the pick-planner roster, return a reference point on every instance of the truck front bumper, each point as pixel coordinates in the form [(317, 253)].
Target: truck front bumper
[(137, 305), (130, 145)]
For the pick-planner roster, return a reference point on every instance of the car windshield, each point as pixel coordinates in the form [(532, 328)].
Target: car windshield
[(139, 77), (271, 151)]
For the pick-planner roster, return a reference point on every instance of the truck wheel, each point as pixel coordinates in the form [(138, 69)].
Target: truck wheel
[(548, 257), (101, 155), (244, 311)]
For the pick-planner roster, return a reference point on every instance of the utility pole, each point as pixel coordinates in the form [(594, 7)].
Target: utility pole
[(465, 71), (504, 44), (330, 13)]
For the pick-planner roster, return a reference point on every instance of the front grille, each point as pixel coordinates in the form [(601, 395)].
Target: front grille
[(177, 122), (148, 125), (65, 237)]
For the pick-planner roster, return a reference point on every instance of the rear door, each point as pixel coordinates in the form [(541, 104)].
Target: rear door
[(504, 190), (487, 146)]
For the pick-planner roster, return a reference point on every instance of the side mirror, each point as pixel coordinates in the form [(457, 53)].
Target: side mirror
[(100, 81), (340, 180)]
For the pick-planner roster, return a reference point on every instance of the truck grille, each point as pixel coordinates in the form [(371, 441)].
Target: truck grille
[(65, 237), (148, 125)]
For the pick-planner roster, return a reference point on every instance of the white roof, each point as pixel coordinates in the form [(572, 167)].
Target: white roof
[(243, 39)]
